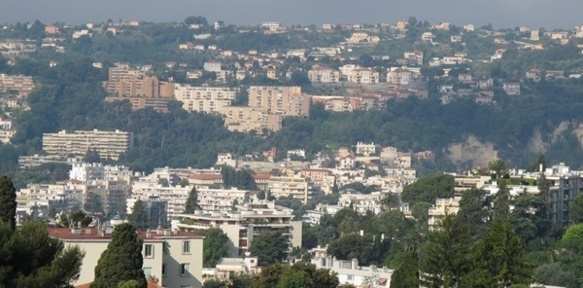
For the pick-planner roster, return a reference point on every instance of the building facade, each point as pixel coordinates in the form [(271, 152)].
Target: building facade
[(109, 144)]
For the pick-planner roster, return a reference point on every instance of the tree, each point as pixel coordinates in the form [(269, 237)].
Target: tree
[(29, 257), (412, 21), (420, 211), (7, 201), (407, 274), (577, 209), (122, 260), (475, 211), (572, 255), (269, 247), (499, 167), (192, 202), (499, 256), (429, 188), (215, 246), (352, 246), (75, 219), (502, 201), (447, 257), (139, 216)]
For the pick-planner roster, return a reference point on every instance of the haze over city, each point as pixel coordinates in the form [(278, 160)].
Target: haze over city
[(501, 13)]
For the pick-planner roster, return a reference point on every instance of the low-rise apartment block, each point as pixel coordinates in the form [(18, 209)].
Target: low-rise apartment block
[(295, 187), (173, 257), (364, 76), (109, 144), (282, 100), (204, 99), (324, 75), (245, 223), (245, 119), (18, 84)]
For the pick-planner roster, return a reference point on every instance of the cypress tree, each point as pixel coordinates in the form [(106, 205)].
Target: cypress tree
[(139, 216), (122, 260), (7, 201), (192, 202)]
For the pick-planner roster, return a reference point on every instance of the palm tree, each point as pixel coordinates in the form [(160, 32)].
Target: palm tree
[(499, 167)]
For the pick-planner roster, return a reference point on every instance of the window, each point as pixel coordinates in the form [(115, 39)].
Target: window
[(185, 247), (163, 269), (149, 250), (184, 267), (147, 271), (165, 247)]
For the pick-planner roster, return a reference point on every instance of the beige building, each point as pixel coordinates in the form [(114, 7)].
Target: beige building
[(295, 187), (109, 144), (324, 75), (246, 223), (443, 206), (175, 258), (126, 82), (204, 99), (245, 119), (282, 100), (22, 85), (364, 76)]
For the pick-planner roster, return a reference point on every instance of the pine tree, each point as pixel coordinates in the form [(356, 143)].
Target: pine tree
[(502, 201), (447, 262), (122, 260), (29, 257), (407, 274), (139, 216), (501, 258), (7, 201), (192, 202)]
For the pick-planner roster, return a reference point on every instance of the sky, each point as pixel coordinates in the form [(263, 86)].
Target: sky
[(548, 14)]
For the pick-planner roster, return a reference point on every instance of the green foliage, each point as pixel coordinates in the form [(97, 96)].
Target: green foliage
[(269, 247), (241, 179), (299, 275), (215, 246), (122, 260), (191, 202), (447, 258), (407, 274), (353, 246), (577, 209), (428, 189), (7, 201), (31, 258), (474, 211), (553, 274), (139, 217), (75, 219), (500, 258), (129, 284), (420, 211)]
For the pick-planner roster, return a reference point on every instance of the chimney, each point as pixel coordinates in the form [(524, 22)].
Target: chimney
[(148, 234)]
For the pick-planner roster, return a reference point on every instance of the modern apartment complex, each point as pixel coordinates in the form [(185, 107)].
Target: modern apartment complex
[(244, 119), (324, 75), (125, 83), (245, 223), (173, 257), (22, 85), (204, 99), (282, 100), (109, 144), (295, 187)]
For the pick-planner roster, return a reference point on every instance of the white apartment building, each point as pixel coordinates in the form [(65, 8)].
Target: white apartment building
[(365, 148), (324, 75), (173, 257), (221, 199), (109, 144), (349, 272), (85, 172), (212, 66), (204, 99), (248, 221), (362, 203), (295, 187), (363, 76)]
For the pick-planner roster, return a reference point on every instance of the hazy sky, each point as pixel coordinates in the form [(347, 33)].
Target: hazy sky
[(501, 13)]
